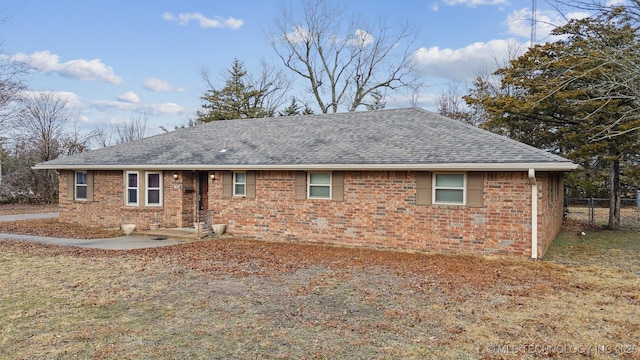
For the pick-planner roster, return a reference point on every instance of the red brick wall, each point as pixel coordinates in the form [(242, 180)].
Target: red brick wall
[(108, 207), (379, 209), (550, 208)]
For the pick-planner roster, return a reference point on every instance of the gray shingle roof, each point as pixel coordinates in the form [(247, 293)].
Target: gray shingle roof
[(395, 139)]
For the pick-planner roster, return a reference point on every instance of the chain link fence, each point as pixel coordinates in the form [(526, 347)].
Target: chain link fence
[(595, 211)]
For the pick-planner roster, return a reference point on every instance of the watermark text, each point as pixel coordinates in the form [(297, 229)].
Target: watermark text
[(565, 349)]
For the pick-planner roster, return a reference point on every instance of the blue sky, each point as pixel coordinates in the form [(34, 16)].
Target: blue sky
[(113, 59)]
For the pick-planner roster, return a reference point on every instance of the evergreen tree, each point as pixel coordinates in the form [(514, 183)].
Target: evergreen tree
[(238, 99), (295, 109), (291, 110), (552, 97), (377, 101)]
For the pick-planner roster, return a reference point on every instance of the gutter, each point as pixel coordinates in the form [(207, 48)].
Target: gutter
[(534, 213), (541, 166)]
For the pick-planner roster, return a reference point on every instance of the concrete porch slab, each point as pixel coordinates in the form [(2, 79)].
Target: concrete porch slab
[(172, 233)]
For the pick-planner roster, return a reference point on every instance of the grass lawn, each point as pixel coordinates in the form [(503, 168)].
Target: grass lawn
[(238, 299)]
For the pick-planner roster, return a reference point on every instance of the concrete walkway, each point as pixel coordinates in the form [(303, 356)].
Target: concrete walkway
[(118, 243)]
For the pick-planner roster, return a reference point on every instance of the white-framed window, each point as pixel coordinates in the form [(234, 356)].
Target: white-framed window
[(80, 185), (449, 188), (319, 185), (154, 189), (239, 184), (133, 187)]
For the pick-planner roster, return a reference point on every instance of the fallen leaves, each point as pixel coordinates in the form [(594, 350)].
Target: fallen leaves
[(456, 276), (295, 299)]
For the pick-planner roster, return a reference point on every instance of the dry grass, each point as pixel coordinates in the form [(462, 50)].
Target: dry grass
[(244, 299), (240, 299), (629, 216)]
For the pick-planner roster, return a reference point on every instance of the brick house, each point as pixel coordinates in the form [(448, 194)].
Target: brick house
[(401, 178)]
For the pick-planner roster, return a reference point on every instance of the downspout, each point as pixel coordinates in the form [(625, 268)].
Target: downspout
[(534, 213)]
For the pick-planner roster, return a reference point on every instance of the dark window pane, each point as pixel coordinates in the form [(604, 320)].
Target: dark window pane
[(239, 189), (319, 191), (154, 180), (320, 178), (81, 192), (81, 178), (153, 196), (133, 196), (449, 196), (133, 180), (450, 180)]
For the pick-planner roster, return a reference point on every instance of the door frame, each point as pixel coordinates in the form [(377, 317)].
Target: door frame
[(203, 190)]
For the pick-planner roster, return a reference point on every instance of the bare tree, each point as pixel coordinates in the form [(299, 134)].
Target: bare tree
[(273, 84), (11, 85), (487, 84), (452, 105), (343, 61), (39, 128), (76, 142), (133, 128), (41, 120)]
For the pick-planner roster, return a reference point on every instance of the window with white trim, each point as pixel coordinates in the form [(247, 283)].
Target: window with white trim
[(239, 184), (154, 189), (80, 185), (449, 188), (132, 187), (319, 185)]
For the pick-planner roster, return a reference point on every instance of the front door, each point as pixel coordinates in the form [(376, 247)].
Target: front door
[(203, 191)]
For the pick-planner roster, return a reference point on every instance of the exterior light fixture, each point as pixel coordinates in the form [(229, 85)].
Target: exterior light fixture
[(175, 176), (212, 176)]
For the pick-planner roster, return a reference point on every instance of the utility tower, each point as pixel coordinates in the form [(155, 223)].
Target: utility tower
[(533, 22)]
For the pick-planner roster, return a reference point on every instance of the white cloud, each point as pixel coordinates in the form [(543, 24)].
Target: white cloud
[(129, 97), (519, 22), (299, 34), (466, 63), (166, 108), (204, 22), (474, 3), (361, 39), (157, 108), (72, 100), (80, 68), (158, 85)]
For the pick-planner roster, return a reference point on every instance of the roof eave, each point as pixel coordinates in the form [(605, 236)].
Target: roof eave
[(519, 166)]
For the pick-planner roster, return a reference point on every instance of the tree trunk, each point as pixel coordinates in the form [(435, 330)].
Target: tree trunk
[(614, 189)]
